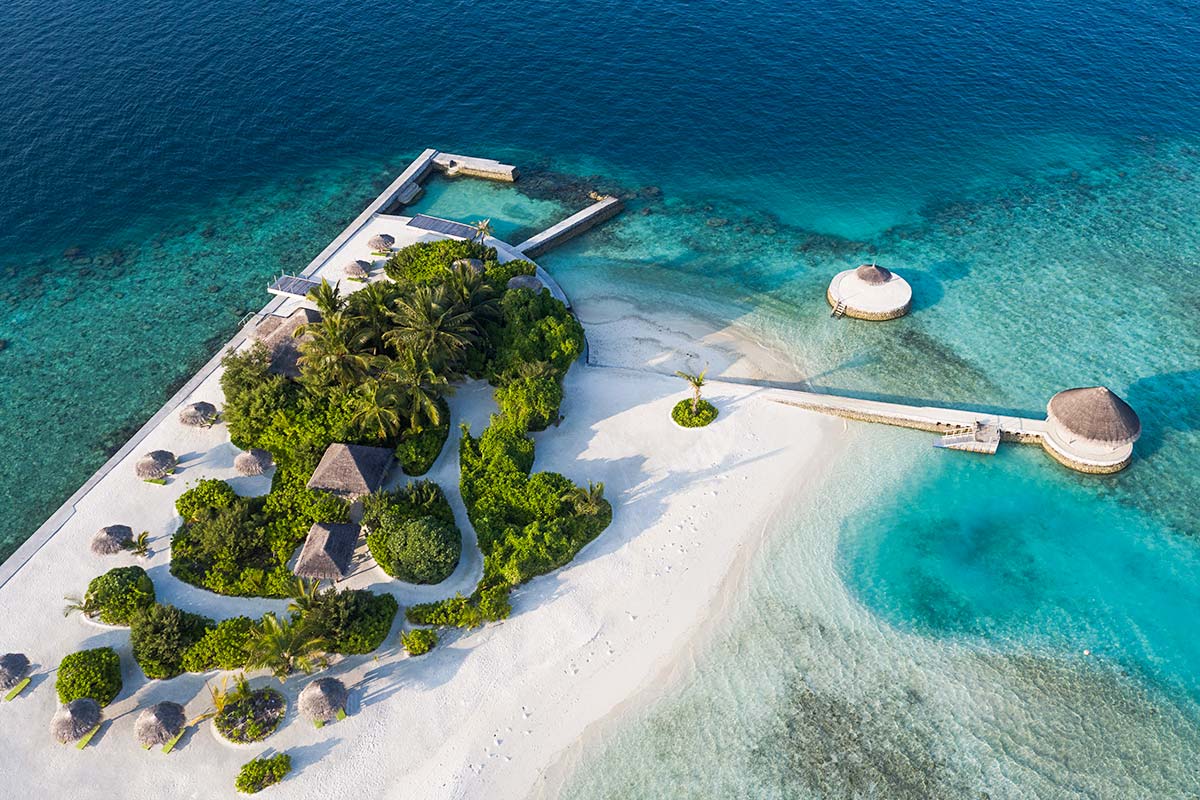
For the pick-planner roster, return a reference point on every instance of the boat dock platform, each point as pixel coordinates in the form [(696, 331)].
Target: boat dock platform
[(570, 227)]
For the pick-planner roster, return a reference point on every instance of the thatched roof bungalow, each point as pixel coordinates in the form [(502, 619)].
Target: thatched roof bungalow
[(328, 551), (1091, 429), (474, 265), (111, 539), (530, 282), (323, 699), (156, 465), (351, 470), (278, 334), (13, 669), (198, 414), (73, 721), (159, 724), (252, 462), (869, 292)]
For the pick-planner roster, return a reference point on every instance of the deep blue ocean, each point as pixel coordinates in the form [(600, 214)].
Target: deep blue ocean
[(1032, 169)]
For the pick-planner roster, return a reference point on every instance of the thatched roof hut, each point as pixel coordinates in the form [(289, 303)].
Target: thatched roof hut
[(155, 465), (530, 282), (111, 539), (358, 269), (474, 265), (196, 414), (327, 551), (252, 462), (13, 669), (351, 470), (873, 274), (159, 724), (322, 699), (279, 336), (73, 721), (381, 242), (1094, 415)]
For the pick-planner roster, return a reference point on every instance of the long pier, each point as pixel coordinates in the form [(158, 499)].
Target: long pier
[(570, 227), (925, 418)]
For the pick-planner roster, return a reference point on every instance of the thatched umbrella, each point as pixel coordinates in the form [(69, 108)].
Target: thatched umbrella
[(529, 282), (358, 269), (159, 724), (252, 462), (155, 465), (73, 721), (196, 414), (13, 669), (383, 241), (111, 540), (1095, 415), (322, 699), (473, 264), (872, 274)]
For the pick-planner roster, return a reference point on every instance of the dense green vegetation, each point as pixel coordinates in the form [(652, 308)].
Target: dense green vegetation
[(427, 263), (260, 773), (412, 533), (223, 646), (250, 716), (161, 636), (116, 596), (698, 416), (94, 673), (419, 641), (208, 494)]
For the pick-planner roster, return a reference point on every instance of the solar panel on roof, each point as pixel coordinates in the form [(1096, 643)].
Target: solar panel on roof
[(438, 225), (288, 284)]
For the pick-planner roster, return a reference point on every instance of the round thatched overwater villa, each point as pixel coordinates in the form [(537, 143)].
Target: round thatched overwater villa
[(869, 292), (1091, 430)]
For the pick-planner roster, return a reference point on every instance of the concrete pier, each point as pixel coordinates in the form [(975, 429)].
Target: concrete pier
[(571, 226), (488, 168)]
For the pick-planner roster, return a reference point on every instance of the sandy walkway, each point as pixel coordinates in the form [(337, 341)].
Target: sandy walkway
[(488, 711)]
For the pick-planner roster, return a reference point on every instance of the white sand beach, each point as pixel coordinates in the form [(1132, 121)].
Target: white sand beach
[(489, 710)]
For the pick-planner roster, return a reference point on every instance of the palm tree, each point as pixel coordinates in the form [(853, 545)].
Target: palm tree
[(223, 694), (417, 390), (336, 350), (696, 382), (308, 595), (483, 229), (586, 501), (285, 647), (86, 606), (429, 324), (375, 410), (140, 545), (473, 295), (327, 298), (371, 307)]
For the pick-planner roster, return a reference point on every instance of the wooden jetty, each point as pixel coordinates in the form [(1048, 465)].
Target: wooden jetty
[(571, 227)]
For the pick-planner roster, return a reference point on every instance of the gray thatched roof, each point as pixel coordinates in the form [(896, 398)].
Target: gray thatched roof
[(351, 470), (159, 724), (252, 462), (530, 282), (155, 464), (279, 336), (872, 274), (473, 264), (322, 699), (1096, 414), (327, 551), (13, 669), (201, 413), (382, 241), (111, 539), (358, 269), (72, 721)]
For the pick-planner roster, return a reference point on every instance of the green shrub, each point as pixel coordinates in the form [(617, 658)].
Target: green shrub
[(499, 275), (416, 452), (419, 641), (251, 716), (161, 635), (92, 673), (423, 550), (428, 262), (221, 647), (118, 594), (530, 403), (353, 621), (260, 773), (535, 328), (209, 494), (706, 412), (456, 612)]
